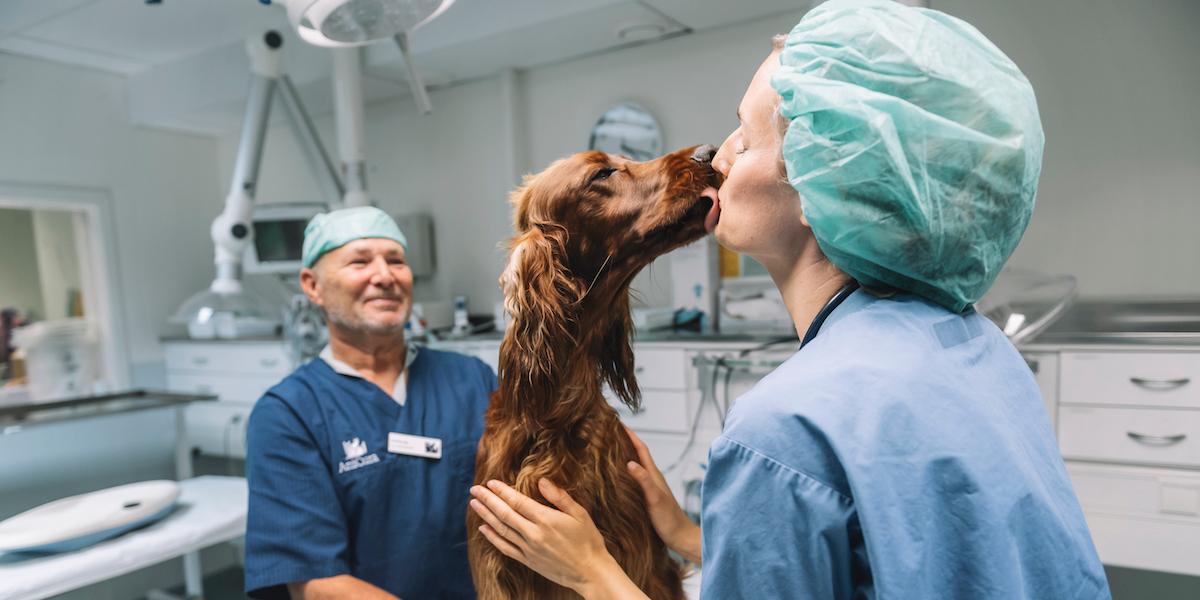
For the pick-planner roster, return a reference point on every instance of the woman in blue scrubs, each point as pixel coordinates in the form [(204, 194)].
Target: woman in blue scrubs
[(884, 170), (358, 463)]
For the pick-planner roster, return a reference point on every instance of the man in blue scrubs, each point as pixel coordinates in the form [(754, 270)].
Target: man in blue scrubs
[(883, 171), (359, 462)]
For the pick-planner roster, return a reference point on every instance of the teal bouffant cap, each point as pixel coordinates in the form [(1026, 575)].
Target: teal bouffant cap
[(332, 230), (915, 145)]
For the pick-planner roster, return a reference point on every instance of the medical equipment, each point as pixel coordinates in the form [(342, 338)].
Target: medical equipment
[(695, 276), (650, 318), (419, 253), (39, 578), (752, 305), (77, 522), (226, 309), (278, 237), (215, 513), (59, 358), (1024, 302), (350, 23), (914, 143)]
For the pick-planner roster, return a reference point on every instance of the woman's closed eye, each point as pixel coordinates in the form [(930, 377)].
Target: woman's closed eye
[(601, 175)]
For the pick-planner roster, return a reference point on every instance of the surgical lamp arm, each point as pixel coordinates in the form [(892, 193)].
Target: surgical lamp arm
[(231, 230)]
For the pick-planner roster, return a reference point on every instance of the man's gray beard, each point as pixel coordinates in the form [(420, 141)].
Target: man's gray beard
[(359, 326)]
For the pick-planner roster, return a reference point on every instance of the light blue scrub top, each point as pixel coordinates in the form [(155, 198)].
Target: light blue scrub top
[(903, 453)]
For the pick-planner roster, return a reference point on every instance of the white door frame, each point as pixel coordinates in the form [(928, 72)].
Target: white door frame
[(101, 278)]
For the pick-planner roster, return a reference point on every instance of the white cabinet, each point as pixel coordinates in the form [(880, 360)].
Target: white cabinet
[(1129, 428), (238, 372), (667, 421), (1046, 373), (1140, 517), (1135, 379)]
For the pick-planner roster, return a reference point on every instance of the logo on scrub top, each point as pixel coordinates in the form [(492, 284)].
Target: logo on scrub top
[(354, 448), (431, 447), (356, 456)]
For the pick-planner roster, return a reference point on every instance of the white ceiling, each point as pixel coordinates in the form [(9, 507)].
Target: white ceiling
[(187, 70)]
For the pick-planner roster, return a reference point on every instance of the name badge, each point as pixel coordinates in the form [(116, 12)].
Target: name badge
[(414, 445)]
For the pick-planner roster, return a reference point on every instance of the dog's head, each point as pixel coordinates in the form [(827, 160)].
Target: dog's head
[(584, 228)]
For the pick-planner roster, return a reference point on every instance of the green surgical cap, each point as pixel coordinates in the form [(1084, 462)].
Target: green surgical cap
[(334, 229), (915, 145)]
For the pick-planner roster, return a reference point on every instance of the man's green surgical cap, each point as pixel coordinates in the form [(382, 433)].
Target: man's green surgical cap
[(332, 230), (915, 145)]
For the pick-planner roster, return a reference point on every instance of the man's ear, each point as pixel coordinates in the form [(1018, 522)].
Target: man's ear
[(308, 285)]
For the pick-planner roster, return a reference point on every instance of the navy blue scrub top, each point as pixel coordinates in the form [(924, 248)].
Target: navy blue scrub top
[(327, 498)]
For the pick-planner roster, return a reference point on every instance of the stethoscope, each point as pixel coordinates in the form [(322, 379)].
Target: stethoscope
[(828, 309)]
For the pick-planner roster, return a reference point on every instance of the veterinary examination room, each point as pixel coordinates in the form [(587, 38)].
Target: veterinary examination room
[(546, 299)]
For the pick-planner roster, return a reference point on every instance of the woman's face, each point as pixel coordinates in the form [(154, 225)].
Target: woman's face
[(760, 213)]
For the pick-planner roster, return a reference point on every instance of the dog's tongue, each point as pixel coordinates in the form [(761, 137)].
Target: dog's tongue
[(714, 212)]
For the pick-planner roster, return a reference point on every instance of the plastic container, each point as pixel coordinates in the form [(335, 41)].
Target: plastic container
[(235, 314), (59, 358)]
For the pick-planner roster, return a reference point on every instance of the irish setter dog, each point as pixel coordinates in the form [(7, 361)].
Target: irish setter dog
[(584, 227)]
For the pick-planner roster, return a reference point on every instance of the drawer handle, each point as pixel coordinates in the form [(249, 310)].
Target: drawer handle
[(1156, 440), (199, 360), (639, 369), (1159, 385), (269, 362)]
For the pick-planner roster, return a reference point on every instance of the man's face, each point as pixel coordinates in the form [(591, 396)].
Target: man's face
[(364, 286)]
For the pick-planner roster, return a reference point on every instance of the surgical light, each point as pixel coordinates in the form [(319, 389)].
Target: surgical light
[(340, 23)]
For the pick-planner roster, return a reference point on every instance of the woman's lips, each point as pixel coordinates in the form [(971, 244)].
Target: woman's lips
[(714, 213)]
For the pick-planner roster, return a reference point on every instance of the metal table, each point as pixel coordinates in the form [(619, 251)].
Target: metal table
[(16, 418)]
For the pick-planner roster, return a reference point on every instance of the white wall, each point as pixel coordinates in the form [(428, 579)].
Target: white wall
[(460, 164), (67, 126), (20, 286), (1116, 83), (1118, 87)]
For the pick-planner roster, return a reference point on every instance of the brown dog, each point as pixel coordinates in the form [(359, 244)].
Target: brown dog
[(584, 227)]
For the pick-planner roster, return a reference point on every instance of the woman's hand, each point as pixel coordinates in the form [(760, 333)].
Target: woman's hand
[(563, 545), (677, 531)]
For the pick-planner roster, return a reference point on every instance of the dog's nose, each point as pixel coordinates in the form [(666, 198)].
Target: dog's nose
[(704, 154)]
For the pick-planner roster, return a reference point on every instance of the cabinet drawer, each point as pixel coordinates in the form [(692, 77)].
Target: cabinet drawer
[(224, 387), (1133, 379), (251, 359), (665, 411), (1140, 517), (660, 369), (1133, 435)]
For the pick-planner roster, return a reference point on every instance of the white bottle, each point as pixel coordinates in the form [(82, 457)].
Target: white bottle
[(462, 325)]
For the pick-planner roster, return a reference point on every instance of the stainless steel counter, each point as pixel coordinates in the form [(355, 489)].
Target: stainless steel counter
[(1107, 323)]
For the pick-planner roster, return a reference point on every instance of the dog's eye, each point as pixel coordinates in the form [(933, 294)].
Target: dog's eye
[(601, 175)]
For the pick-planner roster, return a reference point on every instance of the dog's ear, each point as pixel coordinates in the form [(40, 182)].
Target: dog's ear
[(543, 302), (616, 356)]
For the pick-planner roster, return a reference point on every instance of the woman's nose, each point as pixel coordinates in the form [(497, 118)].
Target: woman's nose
[(704, 154), (720, 161)]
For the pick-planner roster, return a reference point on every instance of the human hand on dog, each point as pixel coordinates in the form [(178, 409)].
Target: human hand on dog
[(562, 545), (677, 531)]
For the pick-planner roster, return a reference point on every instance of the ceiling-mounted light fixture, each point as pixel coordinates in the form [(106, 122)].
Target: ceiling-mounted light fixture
[(340, 23), (349, 23)]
